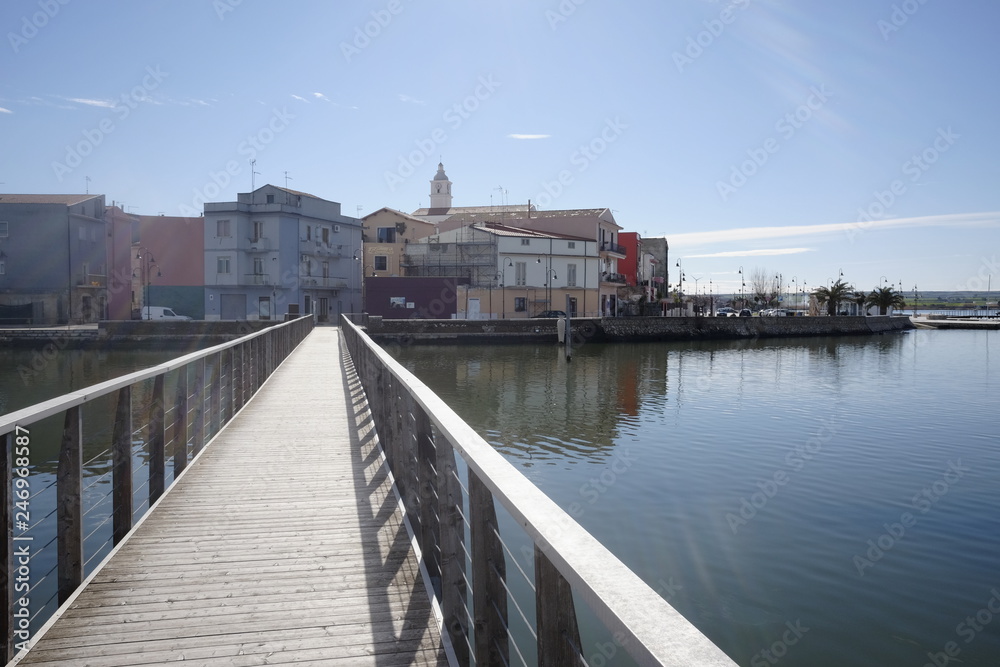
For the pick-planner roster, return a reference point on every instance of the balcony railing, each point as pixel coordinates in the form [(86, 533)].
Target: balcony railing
[(92, 280), (613, 248), (257, 279), (609, 277)]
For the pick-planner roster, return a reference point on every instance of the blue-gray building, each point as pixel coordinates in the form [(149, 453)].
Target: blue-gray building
[(274, 251), (53, 259)]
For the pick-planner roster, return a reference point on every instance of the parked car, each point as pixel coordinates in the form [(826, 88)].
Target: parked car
[(746, 313), (725, 311), (550, 313), (161, 313)]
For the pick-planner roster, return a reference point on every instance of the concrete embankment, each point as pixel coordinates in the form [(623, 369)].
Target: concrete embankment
[(633, 329), (180, 335)]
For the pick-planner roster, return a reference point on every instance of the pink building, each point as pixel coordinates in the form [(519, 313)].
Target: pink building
[(168, 264)]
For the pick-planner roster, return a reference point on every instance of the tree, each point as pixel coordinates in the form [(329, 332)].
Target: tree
[(859, 299), (885, 298), (763, 286), (833, 295)]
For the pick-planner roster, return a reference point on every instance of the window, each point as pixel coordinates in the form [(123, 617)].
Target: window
[(258, 265), (326, 235), (258, 230), (3, 229), (309, 233), (520, 304), (3, 267), (525, 241), (520, 273), (571, 244), (270, 199), (386, 235), (326, 269), (222, 228), (222, 264), (571, 275), (381, 263)]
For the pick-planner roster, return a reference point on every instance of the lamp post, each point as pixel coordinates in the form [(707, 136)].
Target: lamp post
[(550, 275), (915, 296), (503, 283), (795, 282), (680, 288), (743, 286), (146, 264)]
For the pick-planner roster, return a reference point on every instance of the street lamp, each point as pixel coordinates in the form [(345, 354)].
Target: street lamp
[(915, 296), (680, 289), (503, 283), (743, 286), (146, 264), (795, 281), (550, 275)]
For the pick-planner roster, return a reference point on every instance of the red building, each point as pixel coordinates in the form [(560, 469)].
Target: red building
[(168, 264), (629, 267)]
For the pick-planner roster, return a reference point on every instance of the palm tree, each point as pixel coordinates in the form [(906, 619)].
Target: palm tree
[(885, 298), (859, 298), (833, 295)]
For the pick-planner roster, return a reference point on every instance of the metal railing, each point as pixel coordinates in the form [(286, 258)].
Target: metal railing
[(427, 446), (209, 388)]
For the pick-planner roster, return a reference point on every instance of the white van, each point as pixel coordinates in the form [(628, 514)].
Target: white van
[(161, 313)]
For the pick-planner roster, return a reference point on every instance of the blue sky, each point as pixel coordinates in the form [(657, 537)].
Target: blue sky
[(806, 139)]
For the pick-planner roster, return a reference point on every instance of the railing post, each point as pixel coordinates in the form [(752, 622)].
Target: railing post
[(489, 570), (426, 467), (7, 538), (157, 441), (215, 394), (555, 615), (230, 386), (198, 396), (122, 465), (69, 492), (238, 377), (181, 422), (406, 468), (451, 537)]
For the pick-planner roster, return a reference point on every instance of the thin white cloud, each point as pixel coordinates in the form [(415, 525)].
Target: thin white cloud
[(691, 239), (104, 104), (763, 252), (529, 136), (2, 110), (300, 98), (410, 100), (321, 96)]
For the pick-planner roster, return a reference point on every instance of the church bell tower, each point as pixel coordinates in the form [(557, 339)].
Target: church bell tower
[(440, 189)]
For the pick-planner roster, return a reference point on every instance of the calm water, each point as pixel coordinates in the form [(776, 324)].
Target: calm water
[(830, 501), (28, 377)]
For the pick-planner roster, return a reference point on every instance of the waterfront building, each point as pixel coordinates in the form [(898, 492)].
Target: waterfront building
[(123, 232), (386, 232), (275, 251), (53, 259), (168, 261)]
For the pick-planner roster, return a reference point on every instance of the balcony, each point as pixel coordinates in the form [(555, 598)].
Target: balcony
[(92, 280), (259, 244), (256, 279), (320, 281), (613, 248), (608, 277)]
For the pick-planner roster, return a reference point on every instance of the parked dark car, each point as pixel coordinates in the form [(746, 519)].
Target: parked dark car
[(746, 313), (550, 313)]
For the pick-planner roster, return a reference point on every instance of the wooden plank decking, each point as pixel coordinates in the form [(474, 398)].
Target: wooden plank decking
[(282, 544)]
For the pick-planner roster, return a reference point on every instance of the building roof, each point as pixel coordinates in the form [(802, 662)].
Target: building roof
[(66, 200), (473, 210), (407, 216), (507, 230), (440, 175), (514, 214)]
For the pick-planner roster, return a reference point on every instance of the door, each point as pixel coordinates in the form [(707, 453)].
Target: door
[(324, 309), (233, 306), (473, 309), (264, 307)]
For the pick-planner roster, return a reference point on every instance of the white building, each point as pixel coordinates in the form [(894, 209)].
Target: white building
[(275, 251)]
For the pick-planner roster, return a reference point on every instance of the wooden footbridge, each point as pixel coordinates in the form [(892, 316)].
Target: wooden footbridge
[(324, 508)]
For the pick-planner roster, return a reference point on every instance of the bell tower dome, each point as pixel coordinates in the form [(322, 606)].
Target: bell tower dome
[(440, 189)]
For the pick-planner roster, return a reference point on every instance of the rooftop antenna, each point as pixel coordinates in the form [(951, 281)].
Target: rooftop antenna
[(287, 178), (359, 210), (253, 174), (86, 180)]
